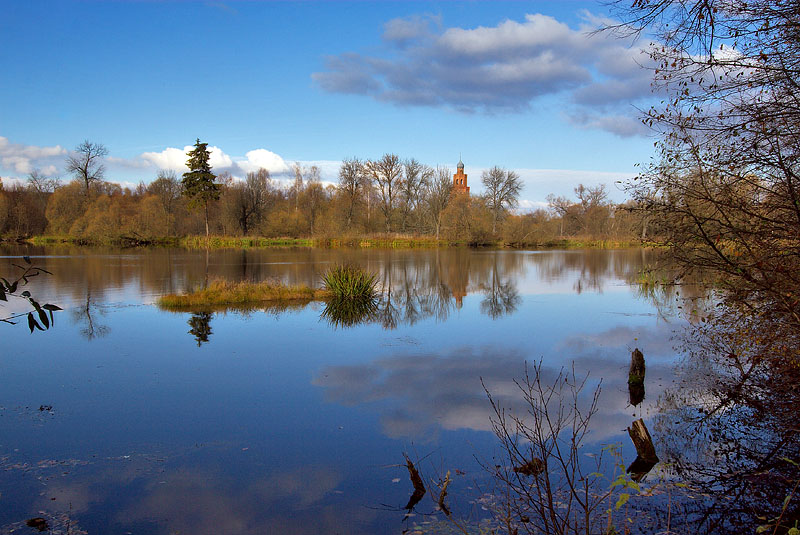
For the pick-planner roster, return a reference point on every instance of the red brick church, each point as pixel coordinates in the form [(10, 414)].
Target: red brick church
[(460, 179)]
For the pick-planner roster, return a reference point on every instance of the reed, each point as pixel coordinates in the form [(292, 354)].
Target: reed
[(223, 294), (349, 282)]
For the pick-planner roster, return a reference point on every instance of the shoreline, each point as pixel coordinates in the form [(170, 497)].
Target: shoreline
[(356, 242)]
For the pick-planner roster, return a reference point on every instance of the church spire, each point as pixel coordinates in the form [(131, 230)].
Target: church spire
[(460, 178)]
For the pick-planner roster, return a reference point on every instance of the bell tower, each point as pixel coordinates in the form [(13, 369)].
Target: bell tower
[(460, 179)]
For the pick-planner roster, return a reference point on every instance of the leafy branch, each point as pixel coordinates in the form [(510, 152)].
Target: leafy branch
[(43, 318)]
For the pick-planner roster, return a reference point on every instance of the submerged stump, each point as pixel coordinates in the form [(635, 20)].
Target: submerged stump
[(636, 378), (646, 457)]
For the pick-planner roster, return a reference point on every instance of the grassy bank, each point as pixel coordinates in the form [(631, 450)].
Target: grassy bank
[(240, 295), (362, 242)]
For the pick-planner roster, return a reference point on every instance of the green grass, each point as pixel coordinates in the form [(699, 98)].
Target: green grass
[(349, 282), (240, 295)]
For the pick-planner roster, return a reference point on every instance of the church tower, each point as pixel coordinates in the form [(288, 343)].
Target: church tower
[(460, 179)]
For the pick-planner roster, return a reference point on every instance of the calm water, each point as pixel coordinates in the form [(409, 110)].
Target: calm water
[(278, 421)]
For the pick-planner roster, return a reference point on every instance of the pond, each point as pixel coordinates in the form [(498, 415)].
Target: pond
[(124, 418)]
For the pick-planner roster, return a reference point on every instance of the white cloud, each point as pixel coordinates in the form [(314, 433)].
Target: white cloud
[(505, 67), (169, 158), (263, 158), (175, 159), (22, 159)]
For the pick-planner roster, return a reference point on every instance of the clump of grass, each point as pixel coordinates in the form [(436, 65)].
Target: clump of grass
[(350, 282), (219, 294)]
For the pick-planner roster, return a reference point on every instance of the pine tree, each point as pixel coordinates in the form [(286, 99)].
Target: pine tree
[(198, 183)]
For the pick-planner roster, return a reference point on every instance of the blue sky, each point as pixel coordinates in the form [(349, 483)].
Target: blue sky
[(521, 85)]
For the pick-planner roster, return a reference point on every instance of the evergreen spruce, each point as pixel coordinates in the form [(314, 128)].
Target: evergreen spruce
[(198, 183)]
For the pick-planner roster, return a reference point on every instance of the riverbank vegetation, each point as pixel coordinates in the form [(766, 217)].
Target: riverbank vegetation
[(390, 202)]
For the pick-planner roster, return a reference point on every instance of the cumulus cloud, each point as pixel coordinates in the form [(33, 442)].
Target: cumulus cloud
[(175, 159), (262, 158), (22, 159), (497, 68)]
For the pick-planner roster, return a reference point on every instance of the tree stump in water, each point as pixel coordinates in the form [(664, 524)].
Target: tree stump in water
[(646, 457), (636, 378)]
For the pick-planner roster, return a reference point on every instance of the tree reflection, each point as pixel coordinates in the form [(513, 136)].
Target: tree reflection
[(501, 297), (200, 324), (730, 426), (86, 315)]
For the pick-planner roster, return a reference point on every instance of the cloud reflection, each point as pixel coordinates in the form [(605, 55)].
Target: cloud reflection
[(419, 395)]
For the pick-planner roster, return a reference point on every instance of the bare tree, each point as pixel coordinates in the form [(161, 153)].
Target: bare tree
[(437, 195), (86, 163), (388, 176), (41, 183), (250, 198), (351, 182), (502, 192), (561, 207), (41, 187), (297, 187), (314, 196), (417, 175), (727, 180)]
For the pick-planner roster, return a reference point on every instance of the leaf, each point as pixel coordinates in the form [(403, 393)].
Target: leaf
[(623, 499), (32, 323), (762, 529), (13, 287), (3, 294), (26, 293), (43, 318), (50, 307), (27, 259)]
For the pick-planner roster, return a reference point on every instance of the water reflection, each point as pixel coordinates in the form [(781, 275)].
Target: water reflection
[(85, 314), (729, 428), (418, 284), (200, 324), (501, 297), (419, 395), (346, 312), (307, 414)]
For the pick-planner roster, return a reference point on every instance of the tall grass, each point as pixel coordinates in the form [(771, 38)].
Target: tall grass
[(350, 282), (223, 294)]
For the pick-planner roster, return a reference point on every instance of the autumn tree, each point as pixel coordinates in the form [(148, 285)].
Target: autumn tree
[(167, 189), (387, 174), (501, 192), (726, 180), (198, 184), (86, 163)]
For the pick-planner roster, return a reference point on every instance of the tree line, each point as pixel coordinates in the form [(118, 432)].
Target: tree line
[(389, 195)]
